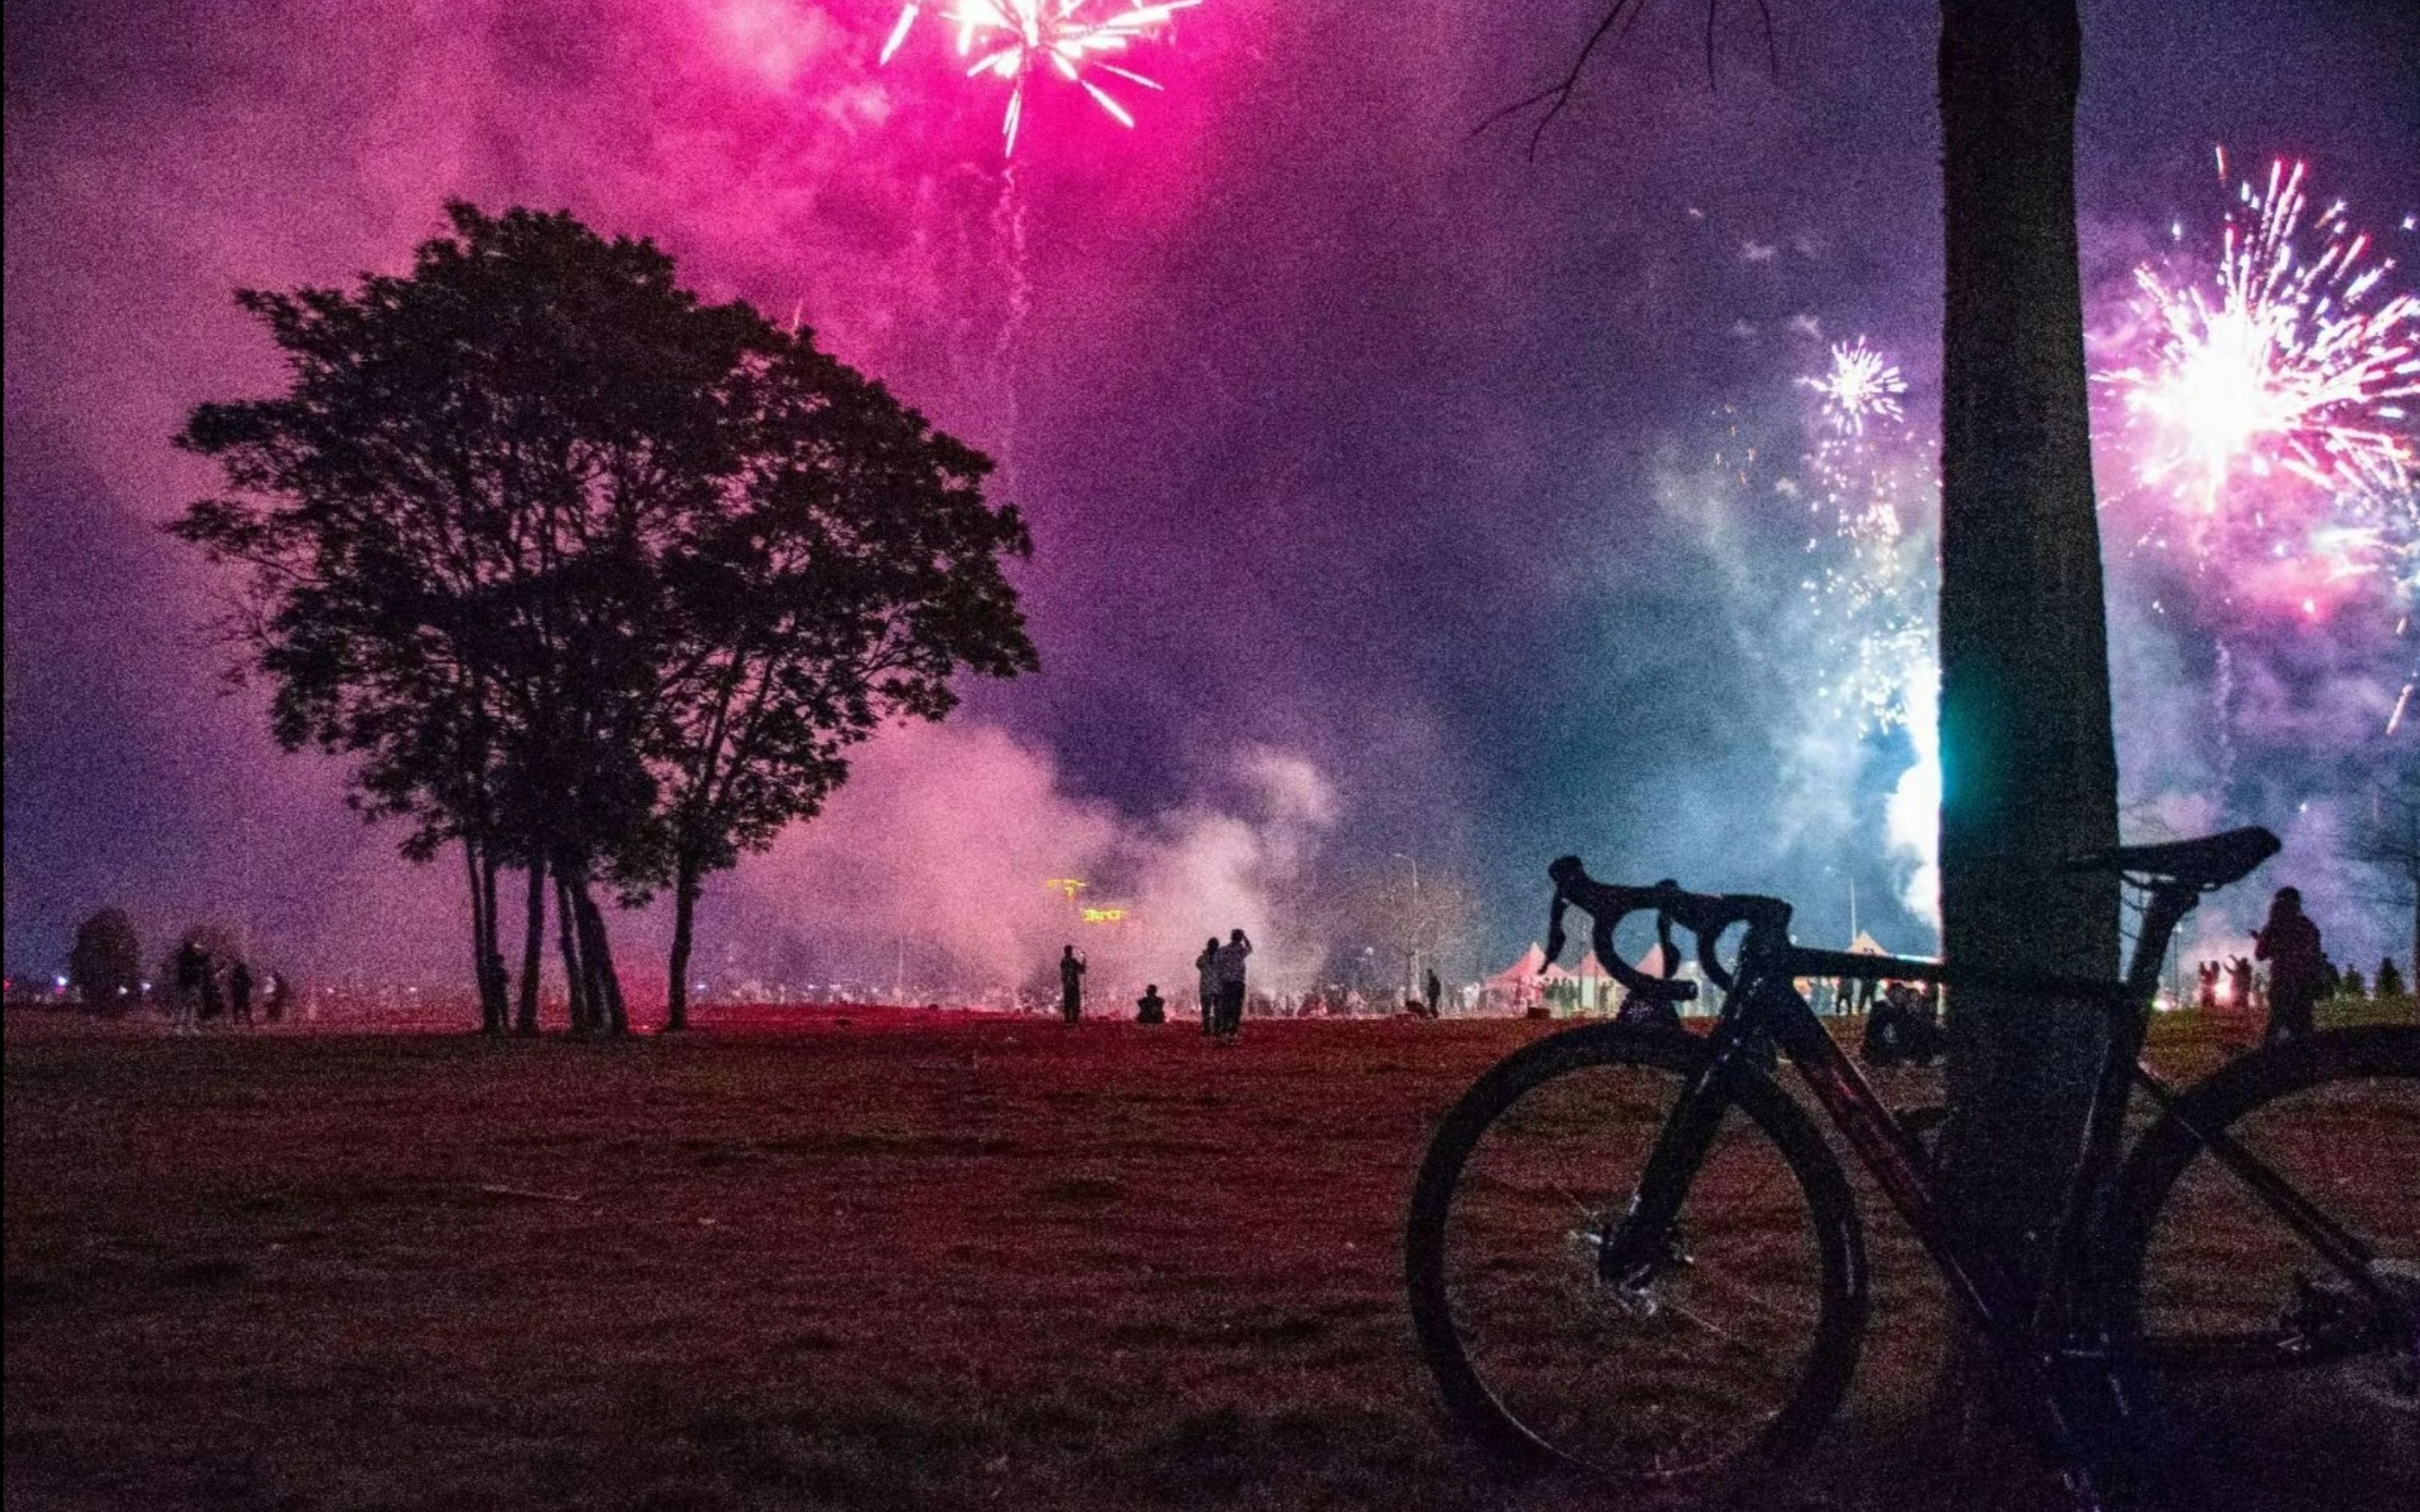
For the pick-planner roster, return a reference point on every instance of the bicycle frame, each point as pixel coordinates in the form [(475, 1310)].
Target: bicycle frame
[(1763, 1004)]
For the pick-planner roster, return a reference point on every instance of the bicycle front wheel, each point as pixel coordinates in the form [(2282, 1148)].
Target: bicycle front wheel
[(1730, 1358), (2222, 1310)]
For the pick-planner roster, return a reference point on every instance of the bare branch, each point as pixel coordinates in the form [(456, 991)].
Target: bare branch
[(1555, 96)]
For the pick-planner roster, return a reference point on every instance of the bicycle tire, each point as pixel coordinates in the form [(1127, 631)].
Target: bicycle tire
[(2216, 1321), (1831, 1226)]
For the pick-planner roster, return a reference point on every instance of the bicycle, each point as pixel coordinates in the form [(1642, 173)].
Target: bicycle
[(1697, 1317)]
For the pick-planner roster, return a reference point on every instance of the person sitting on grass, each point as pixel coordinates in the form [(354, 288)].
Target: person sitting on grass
[(1150, 1008)]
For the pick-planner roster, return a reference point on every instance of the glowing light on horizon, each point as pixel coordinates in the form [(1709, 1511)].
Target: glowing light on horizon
[(1017, 40), (1860, 386)]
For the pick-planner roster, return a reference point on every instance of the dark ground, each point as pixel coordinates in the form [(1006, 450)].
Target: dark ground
[(912, 1259)]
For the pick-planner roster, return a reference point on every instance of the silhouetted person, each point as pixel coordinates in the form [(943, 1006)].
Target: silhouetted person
[(2239, 985), (1904, 1026), (239, 992), (1231, 984), (1071, 985), (2289, 942), (193, 968), (1150, 1008), (1205, 968), (273, 1002), (1436, 991), (2206, 976), (214, 1001)]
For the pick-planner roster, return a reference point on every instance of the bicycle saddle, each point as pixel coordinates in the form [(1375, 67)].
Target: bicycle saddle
[(2211, 861)]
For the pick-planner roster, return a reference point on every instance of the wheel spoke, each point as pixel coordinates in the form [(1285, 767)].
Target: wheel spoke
[(1695, 1373)]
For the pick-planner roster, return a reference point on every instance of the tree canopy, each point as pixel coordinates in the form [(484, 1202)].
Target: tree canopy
[(594, 578)]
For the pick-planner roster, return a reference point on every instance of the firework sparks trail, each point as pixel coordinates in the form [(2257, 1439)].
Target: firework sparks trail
[(2265, 401), (1017, 39), (1860, 386), (1873, 577), (1869, 487)]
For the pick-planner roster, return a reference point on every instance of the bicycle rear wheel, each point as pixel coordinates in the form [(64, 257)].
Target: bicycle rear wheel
[(1730, 1358), (2221, 1313)]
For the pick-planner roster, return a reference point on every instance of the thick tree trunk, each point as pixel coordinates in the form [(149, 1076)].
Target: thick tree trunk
[(533, 949), (575, 975), (597, 950), (686, 886), (495, 986), (492, 1020), (2027, 754)]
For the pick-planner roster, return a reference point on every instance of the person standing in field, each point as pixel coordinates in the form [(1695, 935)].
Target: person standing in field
[(1206, 967), (185, 1001), (2289, 942), (214, 1001), (1231, 958), (1434, 993), (239, 992), (1071, 985)]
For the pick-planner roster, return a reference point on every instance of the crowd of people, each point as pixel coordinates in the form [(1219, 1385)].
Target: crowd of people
[(2299, 975), (1903, 1019), (1222, 992), (206, 987)]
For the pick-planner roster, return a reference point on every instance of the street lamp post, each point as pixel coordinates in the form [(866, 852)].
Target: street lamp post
[(1412, 958)]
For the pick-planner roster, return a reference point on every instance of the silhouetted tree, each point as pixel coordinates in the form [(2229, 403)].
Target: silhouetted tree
[(2386, 842), (106, 963), (596, 579), (453, 517), (2026, 734), (857, 569)]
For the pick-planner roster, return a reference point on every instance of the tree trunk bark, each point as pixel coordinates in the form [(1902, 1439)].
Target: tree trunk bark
[(598, 950), (686, 886), (575, 973), (533, 949), (491, 1018), (496, 988), (2029, 764)]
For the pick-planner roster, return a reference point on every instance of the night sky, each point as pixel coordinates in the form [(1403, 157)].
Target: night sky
[(1372, 465)]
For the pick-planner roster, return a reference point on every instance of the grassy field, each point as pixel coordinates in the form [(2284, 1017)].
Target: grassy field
[(915, 1260)]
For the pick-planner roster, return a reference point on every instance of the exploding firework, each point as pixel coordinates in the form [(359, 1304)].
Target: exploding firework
[(1014, 40), (1859, 387), (1869, 488), (2264, 401), (1868, 485)]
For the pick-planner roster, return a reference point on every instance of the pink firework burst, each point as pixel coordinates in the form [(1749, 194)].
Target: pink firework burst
[(2287, 360), (2262, 410), (1014, 40)]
